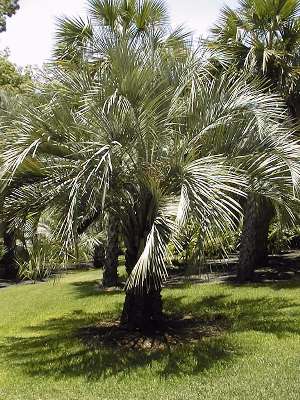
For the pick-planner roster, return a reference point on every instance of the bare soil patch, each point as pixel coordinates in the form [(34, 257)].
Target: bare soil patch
[(173, 332)]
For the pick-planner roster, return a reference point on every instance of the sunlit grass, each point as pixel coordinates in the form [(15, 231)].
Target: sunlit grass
[(257, 356)]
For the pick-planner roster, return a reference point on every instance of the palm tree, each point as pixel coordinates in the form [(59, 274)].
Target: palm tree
[(110, 273), (153, 137), (78, 40), (262, 37), (81, 42)]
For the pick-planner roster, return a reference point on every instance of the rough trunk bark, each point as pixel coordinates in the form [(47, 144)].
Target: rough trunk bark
[(254, 238), (262, 232), (143, 311), (142, 308), (132, 239), (293, 103), (110, 273), (134, 249), (99, 256), (130, 260), (136, 230), (9, 261)]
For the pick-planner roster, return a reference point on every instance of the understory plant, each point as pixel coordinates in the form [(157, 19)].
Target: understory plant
[(42, 262)]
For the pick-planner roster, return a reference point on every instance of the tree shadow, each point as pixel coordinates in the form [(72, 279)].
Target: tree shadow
[(42, 357), (93, 288), (276, 315), (55, 349), (282, 269)]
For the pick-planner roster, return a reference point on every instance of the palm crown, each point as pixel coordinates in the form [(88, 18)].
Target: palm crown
[(263, 36), (80, 40)]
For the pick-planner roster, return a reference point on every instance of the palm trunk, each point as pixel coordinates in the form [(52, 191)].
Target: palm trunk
[(142, 308), (8, 261), (132, 238), (99, 256), (262, 233), (293, 104), (134, 248), (110, 274), (136, 230), (254, 238), (130, 259), (143, 311)]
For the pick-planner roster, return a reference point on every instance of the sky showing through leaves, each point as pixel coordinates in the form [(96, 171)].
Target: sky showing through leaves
[(30, 33)]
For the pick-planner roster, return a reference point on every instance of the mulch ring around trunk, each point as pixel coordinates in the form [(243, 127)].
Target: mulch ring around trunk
[(176, 331)]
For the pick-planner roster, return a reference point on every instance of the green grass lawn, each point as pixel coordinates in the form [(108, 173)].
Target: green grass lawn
[(256, 357)]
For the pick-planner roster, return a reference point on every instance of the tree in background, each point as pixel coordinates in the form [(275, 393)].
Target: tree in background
[(263, 38), (14, 83), (79, 41), (7, 9)]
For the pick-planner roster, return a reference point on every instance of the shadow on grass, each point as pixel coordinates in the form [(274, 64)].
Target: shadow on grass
[(92, 288), (59, 353), (56, 351), (278, 316)]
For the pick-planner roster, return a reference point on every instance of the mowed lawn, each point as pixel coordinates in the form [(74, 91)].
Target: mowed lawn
[(255, 356)]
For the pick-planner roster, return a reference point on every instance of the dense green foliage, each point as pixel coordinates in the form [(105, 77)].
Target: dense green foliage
[(136, 123), (262, 38), (12, 80), (256, 356), (7, 9)]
